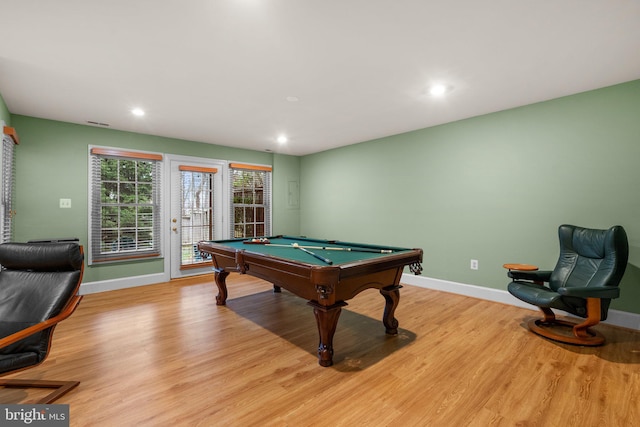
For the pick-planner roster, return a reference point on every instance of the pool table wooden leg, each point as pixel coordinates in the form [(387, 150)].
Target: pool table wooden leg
[(392, 296), (327, 320), (220, 276)]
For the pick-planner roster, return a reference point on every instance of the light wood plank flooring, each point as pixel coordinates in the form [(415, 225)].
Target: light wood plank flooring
[(166, 355)]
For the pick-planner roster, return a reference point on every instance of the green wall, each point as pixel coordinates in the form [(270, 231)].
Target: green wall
[(286, 200), (493, 188), (51, 163)]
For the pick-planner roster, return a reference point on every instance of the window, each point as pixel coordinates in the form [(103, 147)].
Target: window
[(124, 204), (251, 200), (7, 158)]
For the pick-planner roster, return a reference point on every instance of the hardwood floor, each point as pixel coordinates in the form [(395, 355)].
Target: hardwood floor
[(166, 355)]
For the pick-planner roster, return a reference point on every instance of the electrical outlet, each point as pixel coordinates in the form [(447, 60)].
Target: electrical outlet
[(65, 203), (474, 264)]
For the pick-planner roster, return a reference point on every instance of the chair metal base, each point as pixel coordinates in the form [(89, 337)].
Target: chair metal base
[(61, 387), (553, 330)]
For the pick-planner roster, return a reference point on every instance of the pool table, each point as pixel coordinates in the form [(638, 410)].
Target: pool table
[(324, 272)]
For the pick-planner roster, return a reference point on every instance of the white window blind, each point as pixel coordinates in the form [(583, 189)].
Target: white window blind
[(8, 183), (125, 205), (250, 200)]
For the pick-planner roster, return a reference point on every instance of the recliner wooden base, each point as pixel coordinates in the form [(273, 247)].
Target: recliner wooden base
[(581, 333), (61, 387), (591, 337)]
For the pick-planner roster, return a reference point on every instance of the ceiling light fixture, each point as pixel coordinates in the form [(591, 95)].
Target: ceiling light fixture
[(137, 112), (282, 139), (438, 90)]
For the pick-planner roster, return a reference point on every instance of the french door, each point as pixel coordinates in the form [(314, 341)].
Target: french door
[(196, 213)]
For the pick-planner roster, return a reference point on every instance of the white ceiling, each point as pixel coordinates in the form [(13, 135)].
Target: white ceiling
[(220, 71)]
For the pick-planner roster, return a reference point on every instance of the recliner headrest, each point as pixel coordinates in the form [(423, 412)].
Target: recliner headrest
[(41, 256)]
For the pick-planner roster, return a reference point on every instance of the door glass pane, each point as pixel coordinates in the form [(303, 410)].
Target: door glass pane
[(197, 219)]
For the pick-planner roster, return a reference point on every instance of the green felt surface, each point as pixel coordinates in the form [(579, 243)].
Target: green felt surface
[(294, 254)]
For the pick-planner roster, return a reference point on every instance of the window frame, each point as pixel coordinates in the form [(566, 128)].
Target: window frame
[(267, 198), (95, 205), (8, 157)]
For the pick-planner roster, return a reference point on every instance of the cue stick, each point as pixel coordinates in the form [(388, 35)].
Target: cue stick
[(330, 248), (321, 258)]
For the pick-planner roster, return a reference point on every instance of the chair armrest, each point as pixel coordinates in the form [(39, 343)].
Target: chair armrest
[(15, 337), (591, 292), (535, 276)]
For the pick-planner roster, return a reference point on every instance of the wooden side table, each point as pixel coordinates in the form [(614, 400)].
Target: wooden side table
[(520, 267), (523, 267)]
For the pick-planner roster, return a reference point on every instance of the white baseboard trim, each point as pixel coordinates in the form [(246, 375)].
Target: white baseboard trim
[(122, 283), (615, 317)]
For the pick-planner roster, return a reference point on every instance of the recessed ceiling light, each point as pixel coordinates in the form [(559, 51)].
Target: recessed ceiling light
[(282, 139), (439, 89), (137, 112), (293, 99)]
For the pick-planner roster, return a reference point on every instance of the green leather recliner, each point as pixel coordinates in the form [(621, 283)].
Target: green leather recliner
[(585, 279)]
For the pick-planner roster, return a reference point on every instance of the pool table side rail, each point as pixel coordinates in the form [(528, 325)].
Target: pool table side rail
[(310, 241)]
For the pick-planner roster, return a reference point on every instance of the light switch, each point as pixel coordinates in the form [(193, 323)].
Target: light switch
[(65, 203)]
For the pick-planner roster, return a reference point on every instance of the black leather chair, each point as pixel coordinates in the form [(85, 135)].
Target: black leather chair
[(39, 283), (585, 279)]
